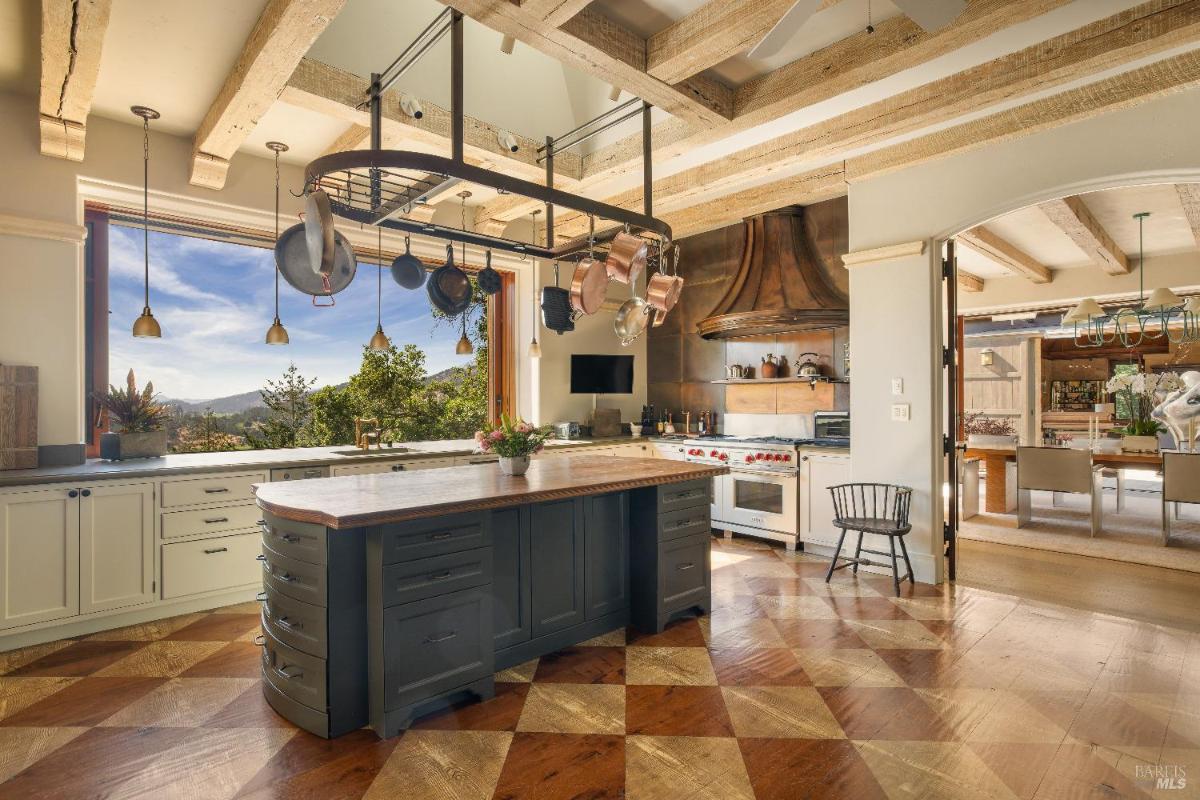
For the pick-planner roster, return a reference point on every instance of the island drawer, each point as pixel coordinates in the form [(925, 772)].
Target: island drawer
[(295, 623), (683, 572), (311, 720), (294, 578), (675, 496), (436, 645), (176, 524), (299, 473), (422, 538), (220, 488), (408, 581), (208, 565), (298, 675), (684, 522), (302, 541)]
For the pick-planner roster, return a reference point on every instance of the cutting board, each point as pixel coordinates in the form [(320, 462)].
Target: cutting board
[(18, 417)]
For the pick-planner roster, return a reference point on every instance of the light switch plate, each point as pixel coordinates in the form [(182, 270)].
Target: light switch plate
[(897, 385), (900, 412)]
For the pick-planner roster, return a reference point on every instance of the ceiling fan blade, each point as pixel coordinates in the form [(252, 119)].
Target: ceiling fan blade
[(931, 14), (785, 29)]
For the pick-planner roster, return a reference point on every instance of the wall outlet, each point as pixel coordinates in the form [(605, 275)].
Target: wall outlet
[(897, 385), (900, 412)]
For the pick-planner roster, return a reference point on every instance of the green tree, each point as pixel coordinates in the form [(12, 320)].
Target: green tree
[(204, 435), (288, 411), (332, 418)]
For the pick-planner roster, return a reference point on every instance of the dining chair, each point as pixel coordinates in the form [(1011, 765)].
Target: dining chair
[(1181, 484), (876, 508), (1057, 470)]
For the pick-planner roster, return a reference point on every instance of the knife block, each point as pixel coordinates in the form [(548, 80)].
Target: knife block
[(18, 417)]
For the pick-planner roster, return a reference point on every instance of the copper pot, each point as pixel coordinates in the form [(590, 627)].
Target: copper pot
[(626, 257), (589, 286), (662, 290)]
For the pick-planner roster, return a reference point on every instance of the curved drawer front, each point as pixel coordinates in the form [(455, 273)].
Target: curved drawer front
[(422, 538), (298, 675), (296, 623), (293, 577), (299, 540), (429, 577)]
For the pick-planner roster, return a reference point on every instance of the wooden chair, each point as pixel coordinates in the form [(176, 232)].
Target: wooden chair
[(1181, 484), (1057, 470), (878, 508)]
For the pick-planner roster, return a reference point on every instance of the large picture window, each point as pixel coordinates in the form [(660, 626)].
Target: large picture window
[(228, 390)]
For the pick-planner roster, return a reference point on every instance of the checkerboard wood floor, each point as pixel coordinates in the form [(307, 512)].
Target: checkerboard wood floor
[(791, 689)]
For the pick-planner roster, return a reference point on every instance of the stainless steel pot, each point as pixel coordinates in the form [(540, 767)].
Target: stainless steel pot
[(633, 317), (809, 368), (291, 256), (319, 232)]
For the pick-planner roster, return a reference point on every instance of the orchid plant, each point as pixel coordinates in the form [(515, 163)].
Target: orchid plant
[(512, 437), (1142, 391)]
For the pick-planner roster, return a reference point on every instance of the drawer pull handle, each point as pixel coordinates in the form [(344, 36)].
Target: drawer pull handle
[(215, 520), (688, 565), (687, 523), (287, 623), (222, 490), (286, 577), (283, 672), (312, 473), (261, 597), (688, 494), (443, 638), (440, 576), (289, 538), (260, 640), (214, 550), (441, 535), (262, 523), (261, 557)]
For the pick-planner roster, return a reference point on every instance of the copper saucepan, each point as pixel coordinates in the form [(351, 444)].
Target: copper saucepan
[(626, 257), (589, 286), (662, 290)]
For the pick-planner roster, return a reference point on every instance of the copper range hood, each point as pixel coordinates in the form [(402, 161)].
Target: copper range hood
[(781, 284)]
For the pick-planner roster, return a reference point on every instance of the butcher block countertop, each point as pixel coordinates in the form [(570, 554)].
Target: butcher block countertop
[(356, 500)]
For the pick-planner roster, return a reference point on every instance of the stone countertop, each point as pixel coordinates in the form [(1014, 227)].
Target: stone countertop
[(353, 501), (236, 460)]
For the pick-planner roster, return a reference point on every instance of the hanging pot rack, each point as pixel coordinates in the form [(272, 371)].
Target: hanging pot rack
[(378, 186)]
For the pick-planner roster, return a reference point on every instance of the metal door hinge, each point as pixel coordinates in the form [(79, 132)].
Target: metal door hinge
[(947, 356), (947, 268), (947, 447)]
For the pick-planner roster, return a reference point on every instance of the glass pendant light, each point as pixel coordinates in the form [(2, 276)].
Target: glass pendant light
[(146, 326), (379, 342), (535, 348), (277, 334)]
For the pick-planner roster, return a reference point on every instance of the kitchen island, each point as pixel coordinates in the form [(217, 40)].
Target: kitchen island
[(387, 596)]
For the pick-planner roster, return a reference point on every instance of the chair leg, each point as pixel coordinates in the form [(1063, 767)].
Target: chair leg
[(1055, 499), (1166, 520), (1024, 507), (1097, 506), (907, 563), (857, 552), (895, 570), (836, 553), (1120, 490)]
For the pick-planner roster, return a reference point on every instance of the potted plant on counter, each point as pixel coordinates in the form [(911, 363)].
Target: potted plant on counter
[(140, 418), (1141, 392), (985, 431), (514, 441)]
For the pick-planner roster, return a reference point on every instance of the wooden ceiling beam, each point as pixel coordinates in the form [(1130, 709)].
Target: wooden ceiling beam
[(968, 282), (1073, 218), (1189, 197), (999, 250), (336, 93), (553, 12), (72, 39), (285, 31), (601, 47)]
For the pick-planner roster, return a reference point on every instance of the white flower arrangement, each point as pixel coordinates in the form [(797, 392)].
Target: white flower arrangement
[(1143, 391)]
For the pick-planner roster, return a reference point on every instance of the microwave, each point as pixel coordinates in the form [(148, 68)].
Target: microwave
[(831, 425)]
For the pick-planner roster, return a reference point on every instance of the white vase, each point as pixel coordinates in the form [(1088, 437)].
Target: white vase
[(516, 465), (990, 440), (1139, 444)]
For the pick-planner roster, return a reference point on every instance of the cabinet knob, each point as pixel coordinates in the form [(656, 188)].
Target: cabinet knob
[(804, 458), (72, 493), (86, 492)]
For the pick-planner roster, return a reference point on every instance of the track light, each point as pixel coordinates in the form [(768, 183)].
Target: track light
[(507, 141), (411, 106), (507, 44)]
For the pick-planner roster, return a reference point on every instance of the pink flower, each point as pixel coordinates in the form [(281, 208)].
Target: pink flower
[(479, 436), (496, 436), (539, 448), (524, 427), (484, 446)]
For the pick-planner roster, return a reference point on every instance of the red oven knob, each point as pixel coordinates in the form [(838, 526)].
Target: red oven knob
[(724, 456), (787, 458), (714, 454), (777, 457), (749, 459)]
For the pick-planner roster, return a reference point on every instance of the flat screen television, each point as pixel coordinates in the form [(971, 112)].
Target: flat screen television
[(596, 374)]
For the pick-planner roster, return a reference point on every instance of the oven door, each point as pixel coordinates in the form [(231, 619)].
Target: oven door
[(766, 500)]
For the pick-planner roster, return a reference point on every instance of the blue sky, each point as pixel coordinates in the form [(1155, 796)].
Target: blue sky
[(215, 301)]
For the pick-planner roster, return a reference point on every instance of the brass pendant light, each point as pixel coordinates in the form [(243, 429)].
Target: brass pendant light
[(464, 346), (146, 326), (379, 342), (277, 334), (535, 348)]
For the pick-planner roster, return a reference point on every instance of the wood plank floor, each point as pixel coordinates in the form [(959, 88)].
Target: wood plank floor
[(791, 688)]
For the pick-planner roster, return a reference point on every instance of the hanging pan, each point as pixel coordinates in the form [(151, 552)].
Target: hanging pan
[(632, 319), (407, 269), (449, 287), (626, 257), (589, 285), (556, 307), (291, 256), (319, 232), (488, 279), (662, 290)]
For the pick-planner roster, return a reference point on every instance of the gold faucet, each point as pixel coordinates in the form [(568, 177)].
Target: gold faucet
[(362, 439)]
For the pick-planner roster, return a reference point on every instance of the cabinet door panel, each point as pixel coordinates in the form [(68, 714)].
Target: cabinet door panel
[(606, 527), (821, 473), (556, 545), (39, 556), (116, 546), (510, 578)]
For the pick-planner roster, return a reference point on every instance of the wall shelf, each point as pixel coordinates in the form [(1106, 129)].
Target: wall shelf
[(730, 381)]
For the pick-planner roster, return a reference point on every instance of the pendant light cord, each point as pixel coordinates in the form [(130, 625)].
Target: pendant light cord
[(379, 281), (146, 205), (277, 233)]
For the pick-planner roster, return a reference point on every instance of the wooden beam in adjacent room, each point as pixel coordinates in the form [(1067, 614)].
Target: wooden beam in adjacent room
[(601, 47), (1073, 218), (968, 282), (285, 30), (553, 12), (1015, 260), (72, 38), (1189, 197)]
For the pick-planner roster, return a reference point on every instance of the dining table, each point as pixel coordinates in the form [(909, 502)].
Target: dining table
[(995, 461)]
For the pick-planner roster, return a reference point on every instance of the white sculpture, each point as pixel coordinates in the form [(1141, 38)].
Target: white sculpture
[(1181, 407)]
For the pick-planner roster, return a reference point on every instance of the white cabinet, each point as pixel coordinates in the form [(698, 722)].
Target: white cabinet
[(635, 450), (370, 468), (116, 546), (817, 473), (209, 565), (39, 555), (671, 450), (429, 463)]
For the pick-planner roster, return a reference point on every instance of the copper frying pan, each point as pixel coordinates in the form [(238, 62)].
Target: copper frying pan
[(662, 290), (589, 285), (626, 257)]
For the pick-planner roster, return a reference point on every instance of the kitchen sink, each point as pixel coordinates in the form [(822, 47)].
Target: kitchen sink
[(372, 452)]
